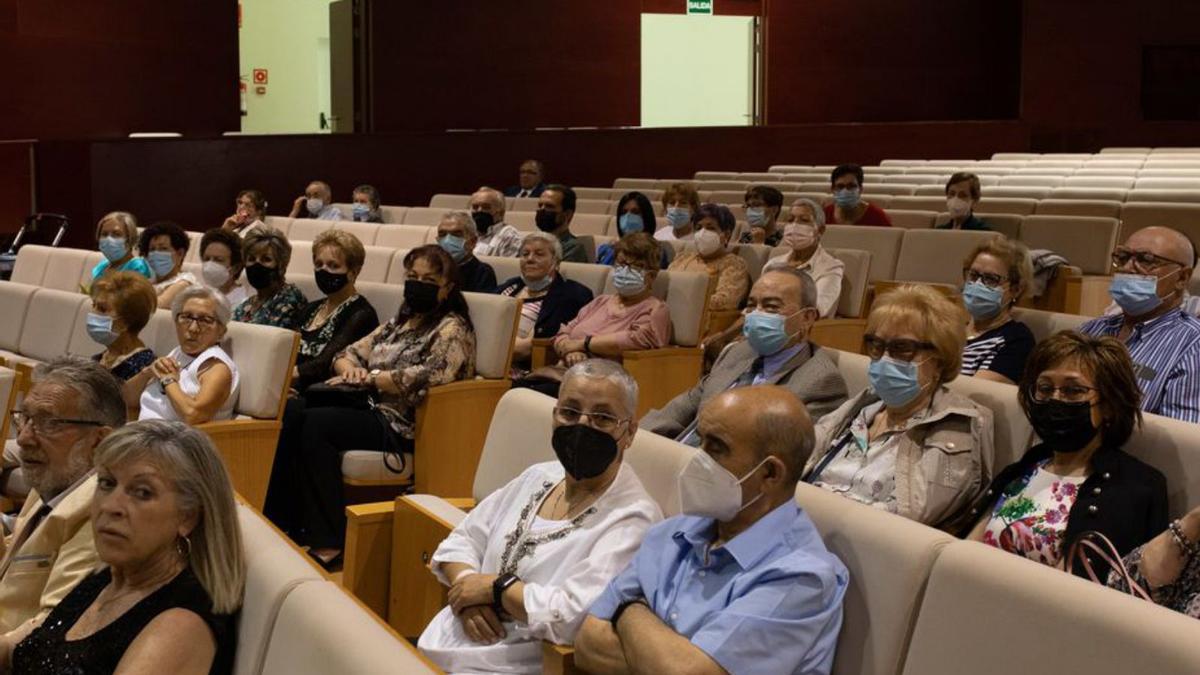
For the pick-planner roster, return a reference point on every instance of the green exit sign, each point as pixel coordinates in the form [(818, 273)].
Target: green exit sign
[(699, 6)]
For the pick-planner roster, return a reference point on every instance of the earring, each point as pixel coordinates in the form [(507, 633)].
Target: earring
[(183, 546)]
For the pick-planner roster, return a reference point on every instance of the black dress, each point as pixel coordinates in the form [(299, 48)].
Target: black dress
[(48, 652), (352, 320)]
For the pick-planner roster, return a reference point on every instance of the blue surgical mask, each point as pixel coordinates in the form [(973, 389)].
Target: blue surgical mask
[(455, 246), (1136, 294), (766, 333), (161, 262), (628, 281), (361, 212), (113, 248), (99, 328), (629, 223), (895, 382), (678, 217), (756, 216), (982, 301), (847, 199)]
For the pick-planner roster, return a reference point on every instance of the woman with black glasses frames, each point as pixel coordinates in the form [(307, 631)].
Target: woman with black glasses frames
[(995, 276)]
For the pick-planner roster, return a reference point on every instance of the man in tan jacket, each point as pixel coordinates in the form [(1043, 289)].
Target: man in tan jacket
[(73, 404)]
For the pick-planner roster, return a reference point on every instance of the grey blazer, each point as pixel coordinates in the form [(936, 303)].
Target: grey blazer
[(811, 375)]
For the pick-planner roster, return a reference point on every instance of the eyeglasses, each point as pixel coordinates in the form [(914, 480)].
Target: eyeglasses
[(1143, 261), (1071, 393), (46, 425), (986, 278), (900, 349), (599, 421), (202, 321)]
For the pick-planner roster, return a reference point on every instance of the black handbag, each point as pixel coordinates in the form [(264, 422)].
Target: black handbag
[(321, 395)]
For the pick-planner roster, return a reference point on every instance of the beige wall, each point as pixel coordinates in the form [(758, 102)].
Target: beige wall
[(696, 70), (285, 37)]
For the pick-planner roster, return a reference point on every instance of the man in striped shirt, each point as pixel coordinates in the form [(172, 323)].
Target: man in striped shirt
[(1152, 270)]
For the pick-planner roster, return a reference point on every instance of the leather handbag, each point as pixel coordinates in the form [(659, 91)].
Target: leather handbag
[(322, 395), (1093, 543)]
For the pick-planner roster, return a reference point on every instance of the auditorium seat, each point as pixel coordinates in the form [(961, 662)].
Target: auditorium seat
[(377, 263), (30, 266), (307, 229), (759, 177), (46, 331), (193, 252), (883, 243), (911, 179), (1093, 169), (716, 175), (521, 204), (1013, 434), (883, 201), (1086, 241), (912, 219), (935, 202), (736, 185), (1118, 182), (1168, 183), (1018, 191), (281, 223), (1021, 206), (1044, 324), (1079, 207), (593, 223), (301, 261), (594, 193), (729, 197), (1170, 446), (594, 206), (854, 280), (933, 190), (90, 261), (1115, 150), (755, 256), (15, 299), (522, 220), (1163, 195), (936, 256), (64, 267), (366, 232), (1168, 172), (881, 188), (1032, 180), (9, 389), (393, 214), (1182, 217), (347, 211), (1008, 224), (450, 202), (419, 215), (406, 236)]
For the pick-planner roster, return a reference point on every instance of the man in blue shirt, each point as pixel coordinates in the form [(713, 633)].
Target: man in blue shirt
[(742, 585)]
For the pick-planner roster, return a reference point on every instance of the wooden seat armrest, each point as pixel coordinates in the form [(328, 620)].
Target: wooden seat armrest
[(542, 353), (464, 503), (843, 334), (448, 443), (662, 374), (558, 659), (248, 448), (1087, 295), (366, 570), (414, 594)]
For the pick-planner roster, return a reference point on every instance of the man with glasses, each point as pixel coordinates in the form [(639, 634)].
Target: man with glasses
[(531, 180), (1151, 274), (780, 313), (73, 404)]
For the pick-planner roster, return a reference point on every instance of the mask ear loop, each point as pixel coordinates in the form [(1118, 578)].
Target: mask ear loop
[(743, 479)]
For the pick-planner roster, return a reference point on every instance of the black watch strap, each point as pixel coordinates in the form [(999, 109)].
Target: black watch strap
[(621, 610), (500, 585), (587, 345)]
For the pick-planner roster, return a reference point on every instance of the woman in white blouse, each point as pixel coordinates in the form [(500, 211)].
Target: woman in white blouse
[(525, 565)]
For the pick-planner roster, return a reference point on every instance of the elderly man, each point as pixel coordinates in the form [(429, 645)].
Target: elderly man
[(457, 236), (525, 564), (781, 311), (802, 233), (530, 178), (741, 583), (495, 237), (1152, 270), (556, 208), (73, 404), (316, 203)]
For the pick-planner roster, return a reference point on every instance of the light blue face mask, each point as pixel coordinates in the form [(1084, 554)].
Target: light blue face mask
[(161, 262), (1136, 294), (678, 217), (756, 216), (539, 285), (982, 301), (895, 382), (766, 333), (455, 246), (113, 248), (847, 199), (629, 223), (99, 328), (628, 281), (361, 212)]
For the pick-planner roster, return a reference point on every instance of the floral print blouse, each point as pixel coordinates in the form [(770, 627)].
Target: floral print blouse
[(1182, 596), (280, 310), (417, 360), (1030, 518), (733, 281)]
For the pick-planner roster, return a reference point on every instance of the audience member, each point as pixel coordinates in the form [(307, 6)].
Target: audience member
[(713, 230), (364, 205), (681, 202), (556, 208), (165, 245), (633, 212), (458, 236), (531, 180), (221, 264), (342, 317), (848, 208), (763, 206), (115, 236), (496, 238), (1152, 270), (166, 528), (907, 444), (741, 581), (525, 565), (1168, 566), (316, 202), (995, 276), (122, 304), (73, 404), (962, 196), (780, 313), (197, 382), (275, 302), (802, 233), (548, 299), (1081, 397), (249, 213)]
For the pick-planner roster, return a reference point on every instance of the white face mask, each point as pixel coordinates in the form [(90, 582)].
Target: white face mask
[(799, 236), (958, 207), (215, 274), (707, 242), (707, 489)]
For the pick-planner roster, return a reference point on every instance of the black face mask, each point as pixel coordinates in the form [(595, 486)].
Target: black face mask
[(421, 296), (483, 221), (547, 221), (583, 451), (329, 282), (259, 276), (1062, 426)]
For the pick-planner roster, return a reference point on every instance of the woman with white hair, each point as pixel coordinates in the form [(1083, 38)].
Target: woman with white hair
[(802, 233), (165, 524), (116, 235), (197, 382)]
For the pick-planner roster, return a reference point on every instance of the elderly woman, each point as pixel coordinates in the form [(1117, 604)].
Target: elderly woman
[(115, 236), (166, 527), (635, 215), (342, 317), (197, 382), (365, 204), (248, 214), (1081, 397), (907, 444), (802, 232), (549, 300), (430, 342), (962, 195), (995, 276), (525, 565), (221, 264), (165, 245), (681, 202), (122, 304), (713, 226), (275, 302)]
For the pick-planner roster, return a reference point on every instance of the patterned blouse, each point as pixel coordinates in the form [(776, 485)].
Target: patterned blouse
[(733, 281), (129, 365), (1030, 518), (280, 310), (1182, 596), (417, 360)]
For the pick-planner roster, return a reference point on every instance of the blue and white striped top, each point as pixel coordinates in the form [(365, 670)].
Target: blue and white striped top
[(1166, 359)]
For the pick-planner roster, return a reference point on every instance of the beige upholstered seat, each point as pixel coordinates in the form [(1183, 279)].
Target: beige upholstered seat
[(1008, 224), (1045, 324), (1087, 242), (727, 197), (377, 264), (14, 306), (1182, 217), (909, 178), (421, 215), (64, 267), (1023, 191), (522, 220), (594, 206), (883, 243), (716, 175), (406, 236), (446, 201), (1148, 183), (593, 223), (735, 184), (49, 323), (281, 223), (936, 256), (1172, 447), (1012, 430), (193, 252), (90, 261), (755, 255), (1075, 192), (882, 188), (8, 398), (854, 280), (999, 203), (347, 210), (593, 193), (1118, 182), (1079, 207), (1162, 195), (30, 266), (936, 190), (853, 369), (366, 232), (595, 277), (393, 215), (912, 219), (521, 204), (307, 229), (301, 262), (627, 184), (935, 202)]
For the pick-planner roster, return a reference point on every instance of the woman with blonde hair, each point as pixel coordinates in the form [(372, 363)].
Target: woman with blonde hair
[(995, 277), (116, 235)]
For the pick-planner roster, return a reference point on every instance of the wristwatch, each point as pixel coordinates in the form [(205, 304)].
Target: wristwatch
[(374, 374), (168, 380), (616, 616), (500, 585), (587, 345)]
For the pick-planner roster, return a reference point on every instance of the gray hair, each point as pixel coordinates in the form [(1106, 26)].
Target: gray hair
[(99, 392), (603, 369), (495, 196), (817, 211), (275, 240), (808, 287), (195, 292), (127, 222), (324, 187), (189, 461), (463, 218), (547, 239)]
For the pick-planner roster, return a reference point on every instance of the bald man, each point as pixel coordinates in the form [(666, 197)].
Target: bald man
[(741, 583), (316, 203), (1152, 270)]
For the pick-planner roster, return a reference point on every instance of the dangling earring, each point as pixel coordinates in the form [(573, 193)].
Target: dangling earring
[(184, 546)]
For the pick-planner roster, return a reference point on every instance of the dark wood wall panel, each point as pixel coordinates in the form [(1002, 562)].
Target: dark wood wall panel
[(16, 184)]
